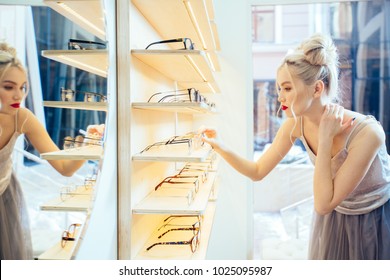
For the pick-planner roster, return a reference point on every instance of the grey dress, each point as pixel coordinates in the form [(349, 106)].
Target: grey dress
[(15, 235), (358, 228)]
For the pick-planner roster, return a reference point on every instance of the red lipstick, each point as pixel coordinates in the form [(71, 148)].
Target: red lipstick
[(284, 107), (15, 105)]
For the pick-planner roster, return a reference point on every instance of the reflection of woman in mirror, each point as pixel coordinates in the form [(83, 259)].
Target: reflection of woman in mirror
[(14, 120), (352, 166)]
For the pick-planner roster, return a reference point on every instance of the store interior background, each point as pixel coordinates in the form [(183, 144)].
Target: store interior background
[(260, 220)]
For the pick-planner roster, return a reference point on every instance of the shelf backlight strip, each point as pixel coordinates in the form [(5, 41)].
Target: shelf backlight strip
[(192, 62), (79, 17), (83, 65), (211, 87), (211, 61), (195, 22)]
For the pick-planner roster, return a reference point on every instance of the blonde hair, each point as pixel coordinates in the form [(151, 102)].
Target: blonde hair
[(8, 59), (316, 59)]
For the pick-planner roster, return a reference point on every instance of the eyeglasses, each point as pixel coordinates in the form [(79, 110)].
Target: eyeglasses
[(69, 235), (176, 192), (200, 171), (80, 141), (194, 227), (74, 44), (69, 95), (181, 179), (193, 242), (193, 140), (192, 94), (184, 219), (188, 45), (73, 190)]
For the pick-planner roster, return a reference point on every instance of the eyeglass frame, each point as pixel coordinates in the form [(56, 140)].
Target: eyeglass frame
[(76, 44), (77, 143), (174, 140), (177, 40), (194, 227), (66, 92), (167, 180), (196, 237), (69, 234)]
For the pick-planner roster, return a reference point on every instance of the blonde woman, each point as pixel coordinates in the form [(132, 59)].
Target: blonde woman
[(352, 166), (14, 120)]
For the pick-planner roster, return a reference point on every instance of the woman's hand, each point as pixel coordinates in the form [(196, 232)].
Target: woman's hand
[(210, 137), (331, 123)]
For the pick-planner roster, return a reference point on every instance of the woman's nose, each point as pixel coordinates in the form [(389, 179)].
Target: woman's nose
[(281, 99)]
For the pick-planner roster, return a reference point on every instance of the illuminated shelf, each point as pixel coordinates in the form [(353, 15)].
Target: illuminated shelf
[(95, 106), (91, 152), (192, 19), (93, 61), (88, 14), (170, 204), (176, 252), (183, 66), (173, 153), (187, 108)]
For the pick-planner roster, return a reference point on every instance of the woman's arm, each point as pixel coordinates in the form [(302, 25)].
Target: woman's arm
[(268, 160), (40, 139), (330, 192)]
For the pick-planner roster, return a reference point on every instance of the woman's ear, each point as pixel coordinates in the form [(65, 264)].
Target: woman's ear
[(318, 88)]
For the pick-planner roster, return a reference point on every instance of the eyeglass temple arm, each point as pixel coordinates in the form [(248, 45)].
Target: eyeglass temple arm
[(168, 243), (166, 41), (85, 42), (174, 229)]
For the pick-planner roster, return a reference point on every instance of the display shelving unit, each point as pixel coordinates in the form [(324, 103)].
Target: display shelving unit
[(186, 68)]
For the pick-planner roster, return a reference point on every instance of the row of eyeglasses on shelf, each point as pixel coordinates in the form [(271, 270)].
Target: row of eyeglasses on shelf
[(84, 190), (192, 140), (187, 182)]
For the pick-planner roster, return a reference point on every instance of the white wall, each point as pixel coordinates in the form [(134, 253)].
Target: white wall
[(232, 230)]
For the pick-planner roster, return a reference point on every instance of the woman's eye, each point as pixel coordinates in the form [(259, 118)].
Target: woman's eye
[(287, 89), (8, 87)]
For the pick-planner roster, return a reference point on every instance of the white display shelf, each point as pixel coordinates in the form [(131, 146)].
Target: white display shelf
[(95, 106), (177, 252), (90, 152), (209, 87), (182, 66), (157, 204), (56, 252), (88, 14), (169, 153), (76, 203), (192, 19), (93, 61), (187, 108)]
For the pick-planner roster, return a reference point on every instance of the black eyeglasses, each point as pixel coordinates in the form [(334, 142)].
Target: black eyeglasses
[(69, 235), (75, 44), (193, 242), (69, 95), (188, 45)]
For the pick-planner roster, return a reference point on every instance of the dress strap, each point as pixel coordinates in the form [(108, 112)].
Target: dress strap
[(16, 121), (357, 128)]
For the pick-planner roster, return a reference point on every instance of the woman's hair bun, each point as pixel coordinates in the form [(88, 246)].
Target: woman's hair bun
[(319, 50), (7, 49)]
